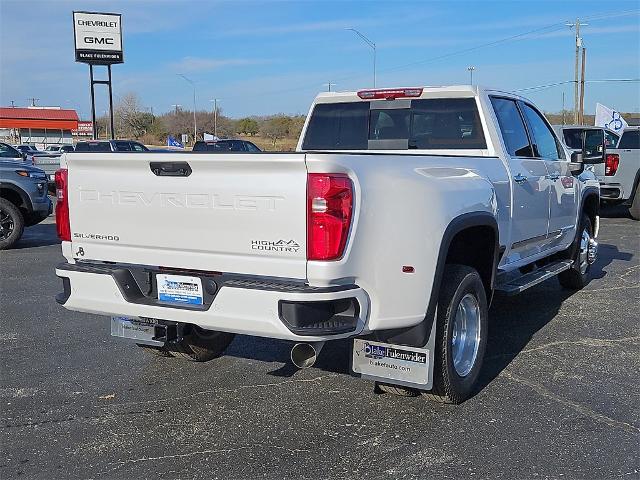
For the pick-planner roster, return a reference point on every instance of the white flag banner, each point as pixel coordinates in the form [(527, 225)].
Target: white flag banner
[(608, 118)]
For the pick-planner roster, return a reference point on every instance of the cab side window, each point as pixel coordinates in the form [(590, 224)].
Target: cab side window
[(545, 144), (122, 146), (512, 127), (611, 139), (630, 139), (8, 152)]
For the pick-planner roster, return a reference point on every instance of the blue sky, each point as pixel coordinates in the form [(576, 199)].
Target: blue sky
[(274, 56)]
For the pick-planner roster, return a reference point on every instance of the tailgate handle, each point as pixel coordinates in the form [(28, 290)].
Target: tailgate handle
[(170, 169)]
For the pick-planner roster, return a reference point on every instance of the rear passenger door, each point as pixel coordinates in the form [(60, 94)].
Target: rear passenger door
[(563, 188), (530, 187)]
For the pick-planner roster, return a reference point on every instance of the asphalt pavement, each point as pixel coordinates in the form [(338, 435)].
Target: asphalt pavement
[(559, 396)]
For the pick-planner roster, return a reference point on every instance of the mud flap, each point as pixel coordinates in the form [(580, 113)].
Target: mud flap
[(394, 364)]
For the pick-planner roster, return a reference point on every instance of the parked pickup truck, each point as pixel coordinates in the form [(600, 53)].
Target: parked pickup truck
[(620, 175), (402, 213)]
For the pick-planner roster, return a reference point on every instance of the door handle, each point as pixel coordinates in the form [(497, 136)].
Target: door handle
[(553, 176), (170, 169), (519, 178)]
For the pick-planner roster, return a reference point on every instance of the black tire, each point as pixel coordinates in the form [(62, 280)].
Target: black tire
[(157, 351), (576, 278), (448, 385), (11, 224), (634, 209), (200, 345)]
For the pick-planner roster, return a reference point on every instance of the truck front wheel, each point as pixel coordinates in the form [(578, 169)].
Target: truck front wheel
[(461, 335), (11, 224), (200, 345), (583, 253)]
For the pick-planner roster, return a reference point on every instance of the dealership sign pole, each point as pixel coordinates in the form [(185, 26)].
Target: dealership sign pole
[(98, 41)]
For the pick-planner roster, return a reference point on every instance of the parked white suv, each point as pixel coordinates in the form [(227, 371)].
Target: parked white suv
[(402, 213)]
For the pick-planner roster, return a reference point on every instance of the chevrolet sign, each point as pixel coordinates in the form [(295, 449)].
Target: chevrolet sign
[(98, 37)]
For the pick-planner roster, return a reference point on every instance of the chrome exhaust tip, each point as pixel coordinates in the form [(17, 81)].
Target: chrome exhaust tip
[(304, 355)]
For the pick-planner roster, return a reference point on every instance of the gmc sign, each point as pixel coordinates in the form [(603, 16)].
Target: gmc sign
[(98, 37)]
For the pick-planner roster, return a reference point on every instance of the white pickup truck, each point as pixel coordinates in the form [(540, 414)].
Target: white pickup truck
[(399, 216), (620, 175)]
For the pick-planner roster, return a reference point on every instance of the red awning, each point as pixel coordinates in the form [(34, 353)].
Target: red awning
[(49, 118)]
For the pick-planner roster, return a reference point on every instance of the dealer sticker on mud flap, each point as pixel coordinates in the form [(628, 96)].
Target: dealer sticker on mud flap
[(394, 362)]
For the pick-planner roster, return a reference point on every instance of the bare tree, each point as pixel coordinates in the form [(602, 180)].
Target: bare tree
[(276, 128), (132, 121)]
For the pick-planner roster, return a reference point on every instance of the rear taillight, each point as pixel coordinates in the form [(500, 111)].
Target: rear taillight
[(611, 164), (62, 205), (329, 213)]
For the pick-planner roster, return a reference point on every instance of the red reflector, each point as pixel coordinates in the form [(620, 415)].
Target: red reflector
[(329, 211), (611, 164), (408, 269), (62, 205), (390, 94)]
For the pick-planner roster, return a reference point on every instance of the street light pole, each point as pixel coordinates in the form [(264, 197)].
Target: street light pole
[(373, 47), (471, 68), (329, 85), (215, 116), (195, 124)]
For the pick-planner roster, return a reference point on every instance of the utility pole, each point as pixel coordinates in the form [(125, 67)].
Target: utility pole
[(33, 101), (106, 127), (576, 99), (471, 68), (215, 116), (13, 104), (195, 124), (176, 106), (329, 85), (584, 60), (563, 120), (373, 47)]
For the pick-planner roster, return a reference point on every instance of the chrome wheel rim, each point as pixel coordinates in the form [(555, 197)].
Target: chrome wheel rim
[(583, 254), (465, 338), (6, 225)]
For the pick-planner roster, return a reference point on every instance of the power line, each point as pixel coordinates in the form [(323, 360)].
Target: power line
[(556, 84), (531, 33)]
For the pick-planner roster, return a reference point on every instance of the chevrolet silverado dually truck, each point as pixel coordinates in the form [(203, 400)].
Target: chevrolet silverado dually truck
[(400, 215)]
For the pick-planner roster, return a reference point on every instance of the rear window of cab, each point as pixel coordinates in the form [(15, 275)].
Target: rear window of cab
[(429, 124)]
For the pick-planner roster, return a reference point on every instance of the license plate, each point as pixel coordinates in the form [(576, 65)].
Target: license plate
[(141, 330), (179, 289), (383, 361)]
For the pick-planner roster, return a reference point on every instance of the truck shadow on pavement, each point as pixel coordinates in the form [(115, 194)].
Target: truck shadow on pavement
[(614, 211), (40, 235), (513, 323)]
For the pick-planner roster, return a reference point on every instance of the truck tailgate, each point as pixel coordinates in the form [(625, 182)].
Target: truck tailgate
[(238, 213)]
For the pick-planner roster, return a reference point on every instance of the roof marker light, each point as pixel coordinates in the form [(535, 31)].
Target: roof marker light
[(390, 93)]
